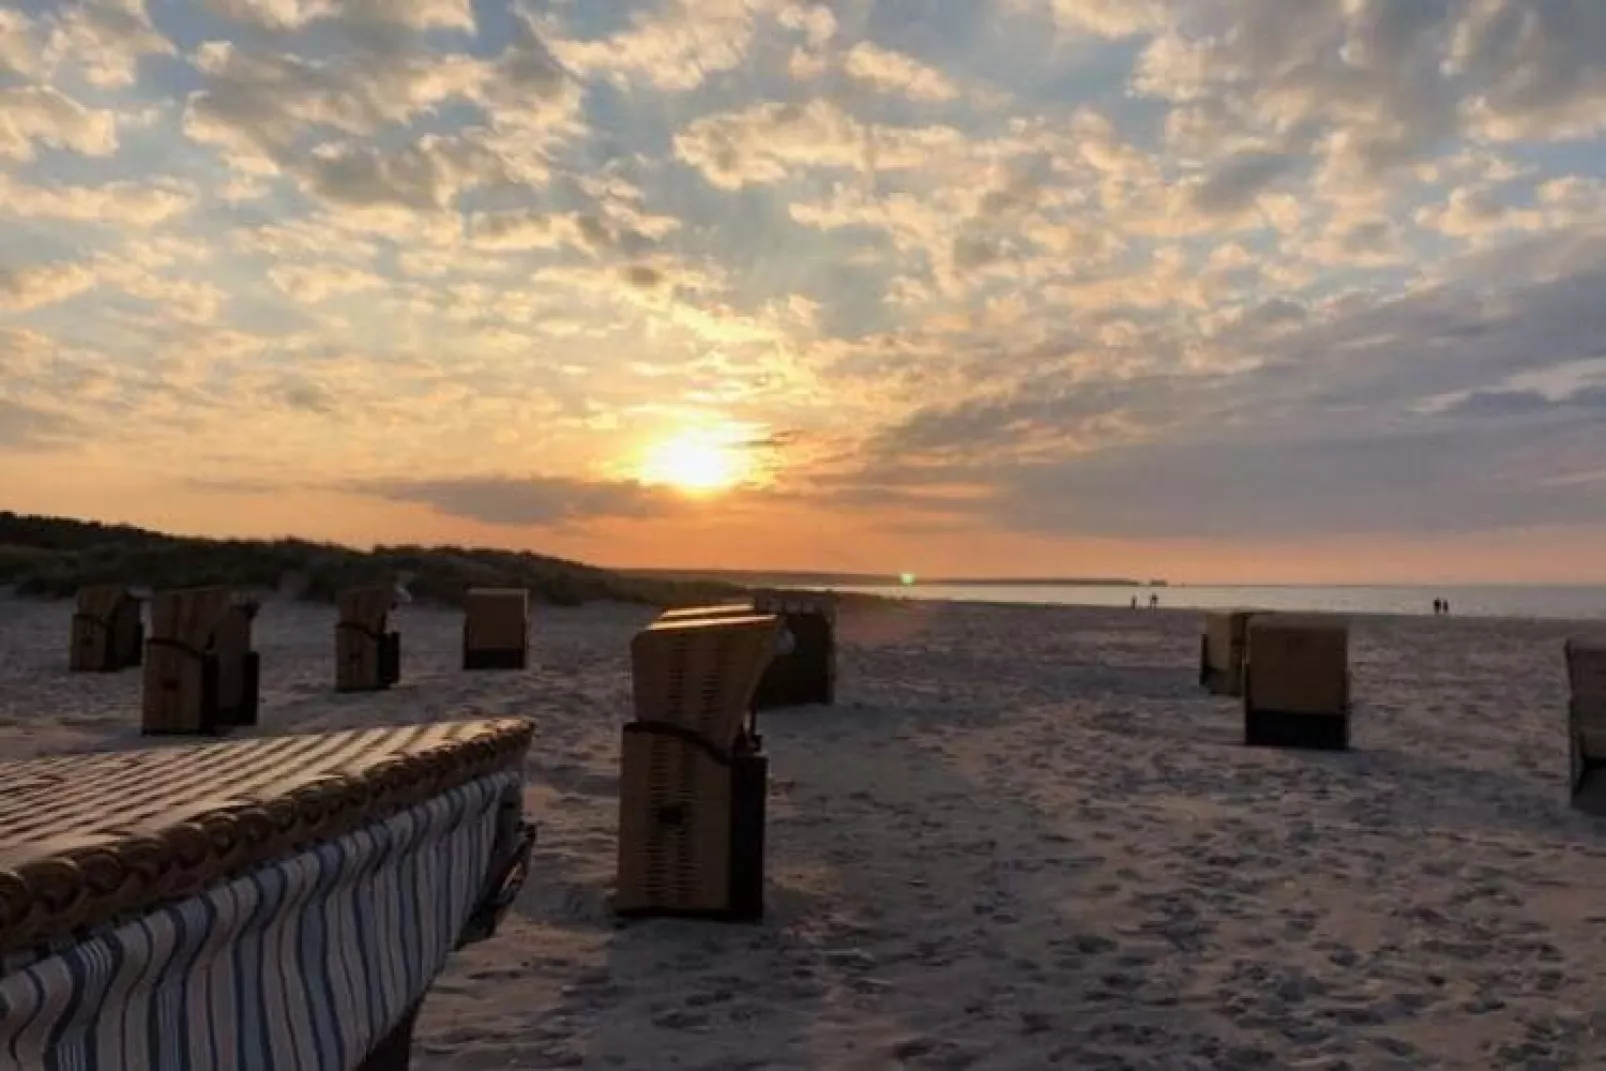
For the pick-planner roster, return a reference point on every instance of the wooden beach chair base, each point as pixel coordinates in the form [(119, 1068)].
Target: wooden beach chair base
[(691, 830), (1319, 732), (496, 658)]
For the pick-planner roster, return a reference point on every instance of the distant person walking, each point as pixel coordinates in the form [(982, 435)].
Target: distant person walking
[(1437, 607), (1154, 601), (1134, 602)]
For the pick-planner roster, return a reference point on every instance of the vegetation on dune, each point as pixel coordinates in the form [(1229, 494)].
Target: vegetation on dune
[(54, 556)]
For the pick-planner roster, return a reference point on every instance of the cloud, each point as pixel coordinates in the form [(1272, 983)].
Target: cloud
[(1236, 184), (893, 72), (1102, 18), (767, 142), (106, 39), (45, 284), (319, 282), (32, 115), (23, 427), (994, 265), (114, 204), (674, 47), (539, 501)]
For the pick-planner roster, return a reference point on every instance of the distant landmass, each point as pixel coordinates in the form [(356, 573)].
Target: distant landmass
[(761, 578)]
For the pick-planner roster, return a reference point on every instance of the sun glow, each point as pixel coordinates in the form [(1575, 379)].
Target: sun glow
[(696, 463)]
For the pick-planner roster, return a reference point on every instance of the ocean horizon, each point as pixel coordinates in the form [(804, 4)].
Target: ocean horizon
[(1548, 601)]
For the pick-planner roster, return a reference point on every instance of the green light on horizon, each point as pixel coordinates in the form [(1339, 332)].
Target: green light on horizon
[(906, 579)]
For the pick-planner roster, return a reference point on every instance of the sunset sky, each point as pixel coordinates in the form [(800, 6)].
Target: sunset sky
[(1281, 290)]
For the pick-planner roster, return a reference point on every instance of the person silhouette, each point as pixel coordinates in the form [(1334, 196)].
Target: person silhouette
[(1154, 601)]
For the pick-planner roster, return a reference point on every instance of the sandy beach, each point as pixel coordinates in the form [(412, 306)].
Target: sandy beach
[(1023, 839)]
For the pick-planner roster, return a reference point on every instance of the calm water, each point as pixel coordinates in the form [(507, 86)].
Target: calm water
[(1572, 603)]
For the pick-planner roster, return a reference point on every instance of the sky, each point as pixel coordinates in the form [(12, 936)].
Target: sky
[(1210, 290)]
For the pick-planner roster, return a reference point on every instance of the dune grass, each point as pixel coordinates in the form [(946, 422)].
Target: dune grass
[(52, 557)]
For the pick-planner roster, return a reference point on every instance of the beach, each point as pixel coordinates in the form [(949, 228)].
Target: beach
[(1023, 838)]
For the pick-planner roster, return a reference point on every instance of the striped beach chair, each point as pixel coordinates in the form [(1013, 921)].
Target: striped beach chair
[(272, 903)]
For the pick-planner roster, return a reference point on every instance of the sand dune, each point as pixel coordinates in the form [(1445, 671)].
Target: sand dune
[(1023, 840)]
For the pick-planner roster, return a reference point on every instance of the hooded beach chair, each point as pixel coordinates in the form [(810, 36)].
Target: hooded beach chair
[(803, 671), (107, 631), (693, 776), (275, 902), (201, 675), (496, 628), (1586, 722), (367, 652), (1296, 682), (1221, 651)]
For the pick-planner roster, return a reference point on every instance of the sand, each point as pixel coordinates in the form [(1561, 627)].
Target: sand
[(1023, 839)]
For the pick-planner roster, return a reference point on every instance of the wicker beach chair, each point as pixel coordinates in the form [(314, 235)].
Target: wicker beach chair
[(693, 776), (201, 675), (1296, 683), (1221, 651), (1586, 722), (367, 653), (496, 628), (265, 903), (107, 631), (803, 671)]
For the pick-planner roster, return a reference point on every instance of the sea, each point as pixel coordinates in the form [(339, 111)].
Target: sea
[(1562, 603)]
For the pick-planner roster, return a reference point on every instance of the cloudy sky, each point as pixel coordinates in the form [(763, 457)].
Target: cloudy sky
[(1208, 289)]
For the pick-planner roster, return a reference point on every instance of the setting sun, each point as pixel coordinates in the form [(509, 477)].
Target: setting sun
[(694, 463)]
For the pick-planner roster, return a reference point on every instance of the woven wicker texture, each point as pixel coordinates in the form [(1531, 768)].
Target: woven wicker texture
[(1298, 664), (106, 630), (701, 674), (496, 618), (674, 826), (360, 636), (186, 626), (85, 839)]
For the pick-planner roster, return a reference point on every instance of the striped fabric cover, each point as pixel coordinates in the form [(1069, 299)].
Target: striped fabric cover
[(304, 965)]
